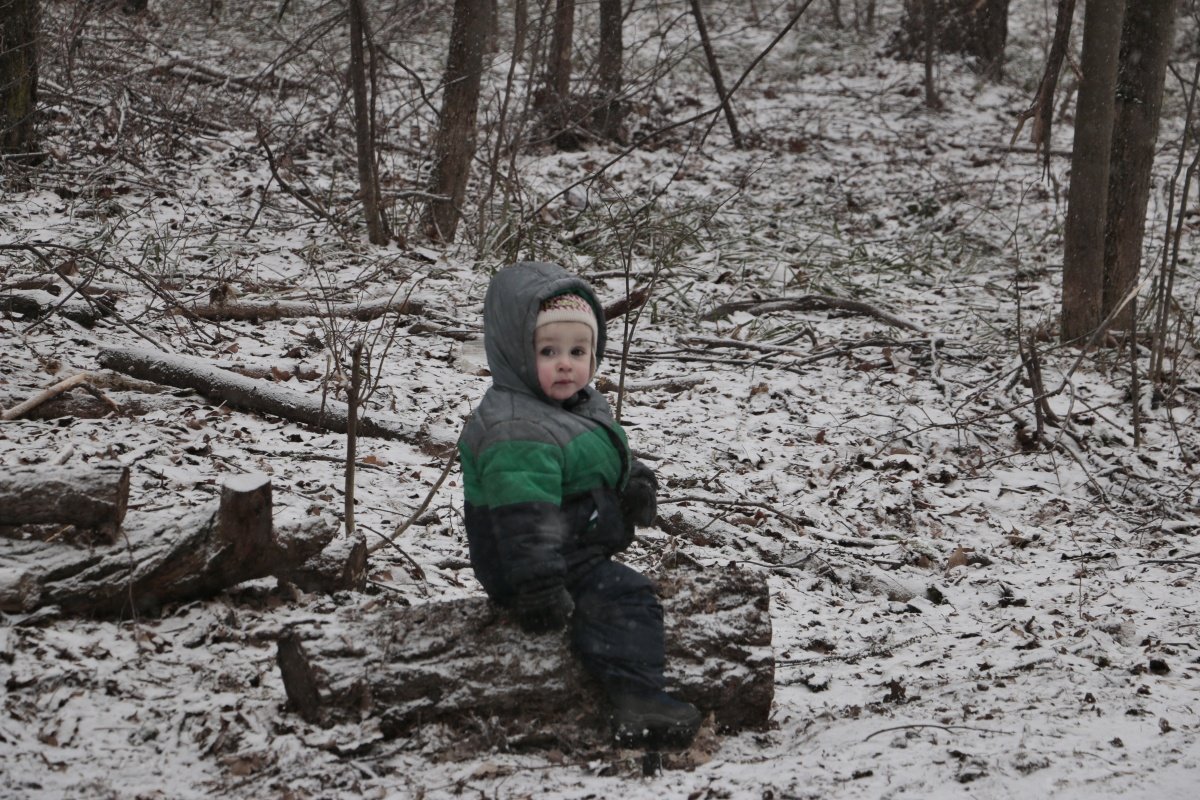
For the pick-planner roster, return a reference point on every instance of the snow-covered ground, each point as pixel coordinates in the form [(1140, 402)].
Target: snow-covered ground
[(958, 610)]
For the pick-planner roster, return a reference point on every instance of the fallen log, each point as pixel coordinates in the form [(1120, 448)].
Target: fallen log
[(92, 497), (37, 303), (222, 386), (814, 302), (464, 665), (163, 558), (264, 310)]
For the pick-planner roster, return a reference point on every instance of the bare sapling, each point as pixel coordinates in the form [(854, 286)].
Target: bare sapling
[(356, 375)]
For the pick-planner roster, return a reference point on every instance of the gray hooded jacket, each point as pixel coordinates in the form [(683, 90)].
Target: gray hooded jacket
[(540, 477)]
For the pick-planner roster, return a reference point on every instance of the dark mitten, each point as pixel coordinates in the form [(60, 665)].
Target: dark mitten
[(543, 610), (638, 502)]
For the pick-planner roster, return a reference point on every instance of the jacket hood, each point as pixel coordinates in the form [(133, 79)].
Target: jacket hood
[(510, 311)]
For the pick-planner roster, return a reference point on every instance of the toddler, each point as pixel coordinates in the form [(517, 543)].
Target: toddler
[(552, 493)]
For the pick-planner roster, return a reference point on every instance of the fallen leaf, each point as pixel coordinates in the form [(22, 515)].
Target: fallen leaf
[(957, 559)]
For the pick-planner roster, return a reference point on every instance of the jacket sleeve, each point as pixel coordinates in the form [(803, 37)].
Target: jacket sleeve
[(520, 475)]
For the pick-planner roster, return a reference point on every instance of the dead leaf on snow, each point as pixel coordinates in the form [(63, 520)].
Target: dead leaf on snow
[(957, 559)]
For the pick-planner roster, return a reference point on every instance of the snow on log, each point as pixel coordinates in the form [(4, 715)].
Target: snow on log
[(219, 385), (260, 310), (162, 558), (92, 497), (463, 664), (37, 303), (19, 591)]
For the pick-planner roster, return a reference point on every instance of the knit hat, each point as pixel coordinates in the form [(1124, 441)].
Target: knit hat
[(567, 308)]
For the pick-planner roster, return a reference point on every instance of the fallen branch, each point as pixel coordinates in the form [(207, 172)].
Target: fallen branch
[(636, 299), (19, 410), (260, 310), (813, 302)]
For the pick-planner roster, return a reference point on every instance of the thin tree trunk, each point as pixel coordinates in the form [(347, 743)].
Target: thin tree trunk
[(1145, 49), (368, 177), (976, 28), (1042, 110), (18, 75), (455, 144), (609, 69), (520, 26), (714, 69), (1087, 199), (558, 64)]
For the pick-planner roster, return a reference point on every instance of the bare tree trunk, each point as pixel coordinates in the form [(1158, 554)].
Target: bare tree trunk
[(609, 69), (714, 69), (1146, 43), (558, 63), (930, 49), (520, 26), (368, 176), (18, 75), (1087, 199), (455, 144)]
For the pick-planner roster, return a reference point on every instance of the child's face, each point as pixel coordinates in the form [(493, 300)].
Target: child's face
[(564, 358)]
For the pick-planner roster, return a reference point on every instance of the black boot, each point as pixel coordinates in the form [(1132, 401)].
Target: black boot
[(652, 719)]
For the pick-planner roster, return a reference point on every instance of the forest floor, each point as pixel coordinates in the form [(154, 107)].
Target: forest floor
[(962, 605)]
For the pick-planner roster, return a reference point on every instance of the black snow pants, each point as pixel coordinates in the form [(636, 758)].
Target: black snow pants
[(617, 626)]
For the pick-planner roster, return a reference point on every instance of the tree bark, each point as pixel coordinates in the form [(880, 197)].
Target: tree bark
[(364, 130), (464, 664), (1146, 42), (18, 76), (454, 147), (222, 386), (1087, 198), (189, 557), (92, 497)]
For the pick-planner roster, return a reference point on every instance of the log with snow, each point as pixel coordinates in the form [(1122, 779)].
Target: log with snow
[(223, 386), (91, 497), (464, 664), (161, 557)]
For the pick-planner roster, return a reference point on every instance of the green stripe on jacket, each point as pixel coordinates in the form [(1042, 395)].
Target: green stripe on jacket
[(517, 471)]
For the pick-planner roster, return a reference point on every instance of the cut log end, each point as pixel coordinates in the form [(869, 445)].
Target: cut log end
[(298, 680)]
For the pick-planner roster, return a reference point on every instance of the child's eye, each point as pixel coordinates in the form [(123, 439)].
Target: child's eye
[(578, 352), (546, 352)]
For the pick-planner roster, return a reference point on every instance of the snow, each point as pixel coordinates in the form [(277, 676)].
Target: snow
[(955, 613)]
